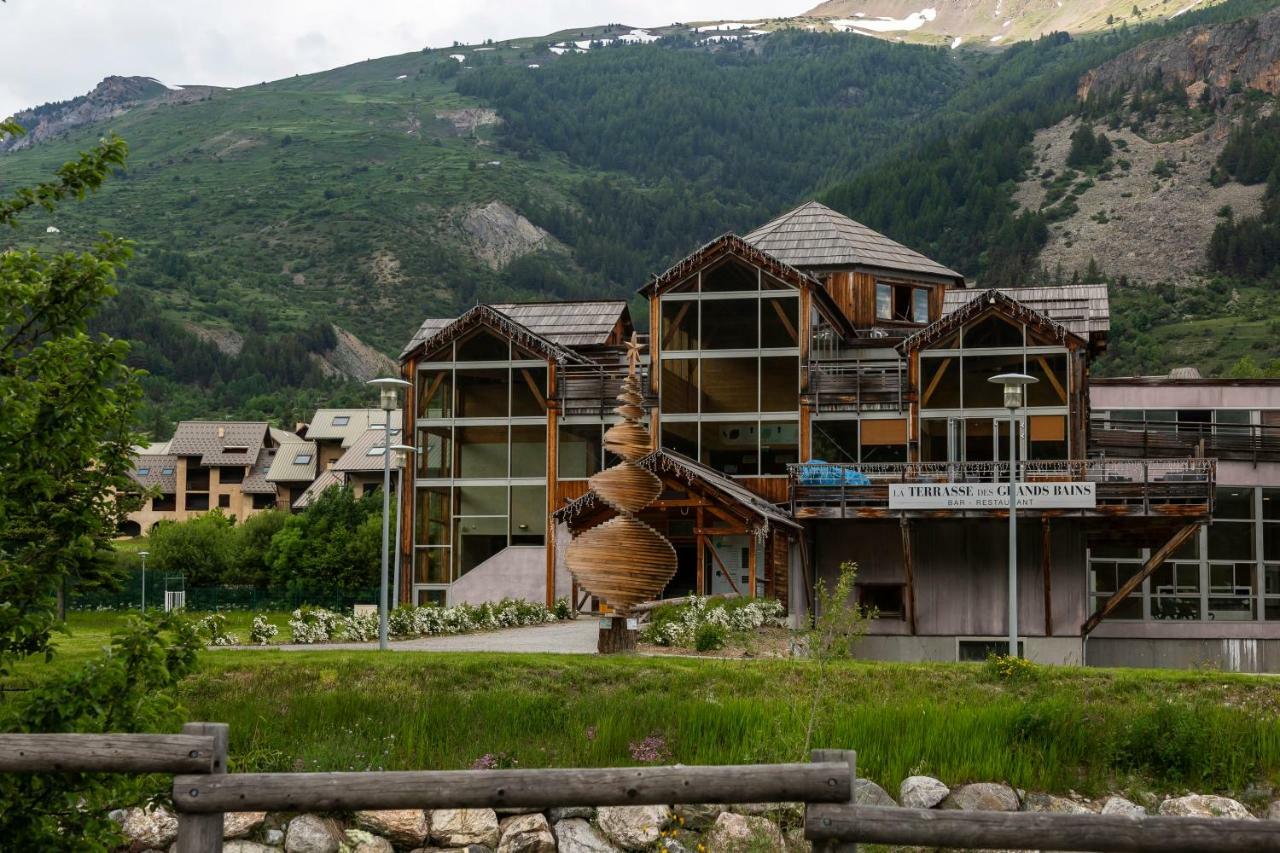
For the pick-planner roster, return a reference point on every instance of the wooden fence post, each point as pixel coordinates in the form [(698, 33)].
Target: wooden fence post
[(851, 758), (202, 833)]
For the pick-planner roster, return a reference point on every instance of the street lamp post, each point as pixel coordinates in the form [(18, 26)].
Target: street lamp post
[(402, 452), (1013, 383), (143, 555), (389, 402)]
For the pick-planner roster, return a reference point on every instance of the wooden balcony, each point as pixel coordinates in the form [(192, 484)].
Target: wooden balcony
[(852, 386), (1150, 488), (1252, 443), (592, 389)]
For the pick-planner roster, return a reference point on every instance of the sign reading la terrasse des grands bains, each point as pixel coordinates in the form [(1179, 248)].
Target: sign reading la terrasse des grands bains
[(992, 495)]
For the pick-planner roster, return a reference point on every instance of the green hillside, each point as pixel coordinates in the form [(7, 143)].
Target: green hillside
[(265, 213)]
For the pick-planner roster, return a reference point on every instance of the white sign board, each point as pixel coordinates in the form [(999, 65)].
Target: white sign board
[(992, 495)]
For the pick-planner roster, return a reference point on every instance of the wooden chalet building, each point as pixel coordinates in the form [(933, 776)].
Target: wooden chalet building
[(795, 375)]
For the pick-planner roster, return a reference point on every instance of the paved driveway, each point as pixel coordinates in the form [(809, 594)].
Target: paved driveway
[(575, 636)]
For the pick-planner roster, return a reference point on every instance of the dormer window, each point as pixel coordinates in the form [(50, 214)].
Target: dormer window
[(142, 472), (902, 303), (302, 459), (236, 448)]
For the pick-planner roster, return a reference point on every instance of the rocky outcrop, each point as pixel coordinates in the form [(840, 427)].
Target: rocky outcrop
[(1204, 805), (241, 824), (982, 797), (744, 832), (1050, 804), (408, 827), (576, 835), (463, 827), (922, 792), (868, 793), (150, 828), (633, 827), (310, 833), (1246, 51), (496, 234), (466, 120), (527, 833), (1121, 806), (352, 358)]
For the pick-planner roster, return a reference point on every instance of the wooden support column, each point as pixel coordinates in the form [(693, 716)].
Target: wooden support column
[(752, 559), (409, 436), (202, 833), (1047, 559), (553, 462), (702, 555), (1157, 560), (910, 574)]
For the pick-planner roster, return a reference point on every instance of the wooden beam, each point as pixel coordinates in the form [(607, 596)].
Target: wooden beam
[(933, 384), (553, 466), (702, 557), (1053, 380), (202, 833), (1047, 559), (910, 573), (533, 386), (106, 753), (727, 574), (675, 324), (786, 321), (805, 573), (1157, 559), (751, 566)]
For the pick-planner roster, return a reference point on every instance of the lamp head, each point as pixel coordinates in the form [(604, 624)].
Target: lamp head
[(1013, 383), (388, 392)]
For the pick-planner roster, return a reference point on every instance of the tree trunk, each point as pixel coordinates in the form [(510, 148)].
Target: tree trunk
[(616, 637)]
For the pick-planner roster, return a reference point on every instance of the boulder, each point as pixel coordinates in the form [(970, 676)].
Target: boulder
[(736, 832), (565, 812), (470, 848), (1121, 806), (242, 846), (274, 837), (310, 833), (868, 793), (464, 827), (575, 835), (1273, 811), (406, 827), (922, 792), (633, 827), (152, 828), (1037, 802), (697, 817), (527, 833), (1204, 805), (363, 841), (982, 797), (241, 824)]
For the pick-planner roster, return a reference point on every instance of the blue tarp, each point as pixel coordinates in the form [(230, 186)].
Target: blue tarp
[(819, 473)]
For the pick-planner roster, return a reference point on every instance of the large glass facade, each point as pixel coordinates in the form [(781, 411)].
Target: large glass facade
[(482, 461), (1229, 572), (729, 380)]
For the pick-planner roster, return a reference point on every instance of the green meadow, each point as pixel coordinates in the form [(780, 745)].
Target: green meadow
[(1053, 729)]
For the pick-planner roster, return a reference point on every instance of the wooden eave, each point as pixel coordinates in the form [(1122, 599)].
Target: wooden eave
[(732, 244), (982, 304), (484, 315)]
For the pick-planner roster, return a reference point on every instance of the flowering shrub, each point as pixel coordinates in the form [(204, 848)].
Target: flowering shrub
[(679, 625), (651, 750), (262, 631), (495, 761), (213, 626), (315, 625)]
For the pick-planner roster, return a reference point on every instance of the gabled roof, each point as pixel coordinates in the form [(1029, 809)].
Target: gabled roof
[(563, 324), (814, 235), (326, 480), (329, 425), (209, 440), (977, 305), (365, 452), (732, 244), (1082, 308), (283, 467), (691, 471), (155, 464), (256, 482)]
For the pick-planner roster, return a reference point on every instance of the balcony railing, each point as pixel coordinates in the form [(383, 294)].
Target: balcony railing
[(592, 389), (1154, 487), (1143, 439), (857, 385)]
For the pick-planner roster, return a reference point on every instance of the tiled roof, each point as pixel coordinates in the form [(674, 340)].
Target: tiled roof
[(568, 324), (324, 481), (359, 457), (328, 425), (814, 235), (256, 482), (1083, 308), (283, 467), (209, 440), (155, 464)]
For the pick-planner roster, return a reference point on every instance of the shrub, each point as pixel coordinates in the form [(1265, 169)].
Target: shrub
[(313, 625), (262, 632), (1011, 668), (316, 625), (214, 628), (677, 625), (709, 637)]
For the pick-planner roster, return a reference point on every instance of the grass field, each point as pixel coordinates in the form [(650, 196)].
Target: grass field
[(1057, 729)]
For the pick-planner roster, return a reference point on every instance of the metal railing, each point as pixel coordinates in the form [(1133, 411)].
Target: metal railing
[(203, 792), (1135, 485), (1141, 439), (856, 385)]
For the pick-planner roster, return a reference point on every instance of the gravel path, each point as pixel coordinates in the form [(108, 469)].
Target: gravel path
[(576, 636)]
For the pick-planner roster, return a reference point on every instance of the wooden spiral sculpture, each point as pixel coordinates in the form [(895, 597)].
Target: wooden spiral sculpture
[(624, 561)]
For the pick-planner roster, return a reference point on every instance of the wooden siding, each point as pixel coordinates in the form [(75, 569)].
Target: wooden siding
[(772, 489), (854, 292)]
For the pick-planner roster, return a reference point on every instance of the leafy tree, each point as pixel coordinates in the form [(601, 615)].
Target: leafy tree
[(69, 400), (336, 545), (200, 548), (250, 544), (1088, 148)]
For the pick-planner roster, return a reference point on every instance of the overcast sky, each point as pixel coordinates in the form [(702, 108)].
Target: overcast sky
[(56, 49)]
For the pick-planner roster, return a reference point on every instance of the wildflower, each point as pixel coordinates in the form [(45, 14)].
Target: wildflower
[(650, 750)]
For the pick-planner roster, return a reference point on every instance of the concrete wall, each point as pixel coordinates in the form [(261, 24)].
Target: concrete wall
[(1175, 395), (519, 571), (1231, 654), (1060, 651)]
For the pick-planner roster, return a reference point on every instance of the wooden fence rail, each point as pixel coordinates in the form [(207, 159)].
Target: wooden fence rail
[(203, 792)]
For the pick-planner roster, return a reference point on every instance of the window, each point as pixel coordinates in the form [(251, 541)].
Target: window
[(236, 448), (679, 325), (264, 501), (884, 301), (884, 440), (142, 472), (1175, 591), (887, 599), (376, 451), (681, 437), (779, 326), (483, 345), (1047, 436), (580, 452), (482, 451), (435, 451), (779, 447), (224, 501), (433, 517), (431, 565), (1105, 580), (231, 476), (529, 451), (435, 393), (729, 277), (729, 385), (940, 382), (731, 324), (166, 471), (977, 651), (779, 384), (920, 305), (482, 393), (731, 447), (529, 392), (834, 441), (993, 332), (341, 420), (679, 386), (302, 459)]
